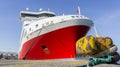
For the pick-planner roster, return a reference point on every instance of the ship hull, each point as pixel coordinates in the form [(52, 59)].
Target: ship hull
[(57, 44)]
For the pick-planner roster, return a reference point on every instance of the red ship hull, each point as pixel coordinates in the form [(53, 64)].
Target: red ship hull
[(54, 45)]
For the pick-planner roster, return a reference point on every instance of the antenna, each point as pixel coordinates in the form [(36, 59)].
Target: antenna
[(27, 9), (96, 33)]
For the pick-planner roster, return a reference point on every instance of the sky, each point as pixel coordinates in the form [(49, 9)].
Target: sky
[(104, 13)]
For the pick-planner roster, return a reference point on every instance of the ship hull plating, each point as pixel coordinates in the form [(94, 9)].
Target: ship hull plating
[(57, 44)]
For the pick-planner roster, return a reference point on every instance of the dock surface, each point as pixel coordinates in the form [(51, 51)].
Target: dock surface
[(42, 63), (49, 63)]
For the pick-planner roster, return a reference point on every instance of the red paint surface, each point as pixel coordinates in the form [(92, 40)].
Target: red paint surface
[(60, 44)]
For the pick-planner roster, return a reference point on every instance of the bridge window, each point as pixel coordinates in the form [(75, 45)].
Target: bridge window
[(29, 15)]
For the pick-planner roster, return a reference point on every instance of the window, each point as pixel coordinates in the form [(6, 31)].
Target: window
[(77, 16), (26, 24), (36, 25), (29, 15), (73, 16), (29, 29)]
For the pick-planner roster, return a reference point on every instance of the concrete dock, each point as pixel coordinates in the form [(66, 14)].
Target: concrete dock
[(41, 63), (48, 63)]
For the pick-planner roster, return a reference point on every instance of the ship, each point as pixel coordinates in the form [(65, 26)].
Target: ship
[(48, 36)]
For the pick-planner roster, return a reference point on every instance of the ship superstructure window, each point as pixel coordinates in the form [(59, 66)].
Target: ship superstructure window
[(46, 15), (73, 16), (37, 15), (29, 15), (29, 29), (77, 16), (36, 25), (26, 24)]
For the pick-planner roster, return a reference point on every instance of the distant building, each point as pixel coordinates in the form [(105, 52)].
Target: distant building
[(9, 55)]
